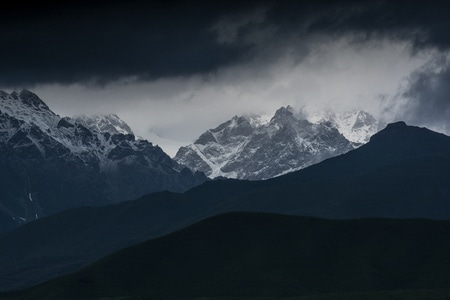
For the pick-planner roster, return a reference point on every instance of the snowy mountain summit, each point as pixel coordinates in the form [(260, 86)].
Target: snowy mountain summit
[(357, 126), (49, 163), (258, 147), (111, 124)]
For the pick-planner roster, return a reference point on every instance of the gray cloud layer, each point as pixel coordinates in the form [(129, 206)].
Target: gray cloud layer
[(181, 67), (98, 43), (428, 97)]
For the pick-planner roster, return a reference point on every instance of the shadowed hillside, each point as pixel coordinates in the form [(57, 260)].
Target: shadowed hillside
[(401, 173), (263, 255)]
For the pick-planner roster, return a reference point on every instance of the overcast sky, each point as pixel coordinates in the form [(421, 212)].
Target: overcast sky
[(177, 68)]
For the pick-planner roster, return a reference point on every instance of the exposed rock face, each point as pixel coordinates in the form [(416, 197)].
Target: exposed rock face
[(105, 123), (49, 163), (251, 147), (357, 126)]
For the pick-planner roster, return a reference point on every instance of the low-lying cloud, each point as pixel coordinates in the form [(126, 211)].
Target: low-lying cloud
[(179, 68)]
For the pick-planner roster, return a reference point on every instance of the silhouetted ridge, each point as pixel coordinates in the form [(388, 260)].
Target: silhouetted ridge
[(265, 255), (402, 177), (49, 164), (410, 141), (397, 124)]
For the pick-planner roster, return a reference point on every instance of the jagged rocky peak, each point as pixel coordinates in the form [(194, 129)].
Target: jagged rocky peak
[(65, 122), (109, 123), (26, 107), (62, 163), (23, 104), (29, 99), (206, 138), (288, 116), (252, 147), (32, 99), (237, 126), (356, 125), (284, 113)]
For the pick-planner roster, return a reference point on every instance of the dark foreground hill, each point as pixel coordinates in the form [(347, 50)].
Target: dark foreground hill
[(401, 173), (264, 255)]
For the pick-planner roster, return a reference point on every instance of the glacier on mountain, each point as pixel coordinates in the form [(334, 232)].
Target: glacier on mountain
[(51, 163), (356, 125), (259, 147), (110, 123)]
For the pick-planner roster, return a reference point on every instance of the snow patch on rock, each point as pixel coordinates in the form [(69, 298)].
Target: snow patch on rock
[(265, 146)]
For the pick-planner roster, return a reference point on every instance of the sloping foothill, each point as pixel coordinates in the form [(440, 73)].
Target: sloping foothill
[(401, 173), (256, 255)]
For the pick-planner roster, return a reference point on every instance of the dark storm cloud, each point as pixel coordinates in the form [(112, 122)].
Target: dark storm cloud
[(73, 42), (76, 42), (425, 23), (428, 97)]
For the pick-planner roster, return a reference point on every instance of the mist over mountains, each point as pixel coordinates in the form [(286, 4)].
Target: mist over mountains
[(51, 166), (348, 202), (400, 173), (51, 163), (262, 146)]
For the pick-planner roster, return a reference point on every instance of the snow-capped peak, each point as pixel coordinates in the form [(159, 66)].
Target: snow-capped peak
[(262, 147), (259, 120), (356, 125), (110, 123), (23, 101), (28, 107), (30, 99), (54, 163), (284, 112), (25, 114)]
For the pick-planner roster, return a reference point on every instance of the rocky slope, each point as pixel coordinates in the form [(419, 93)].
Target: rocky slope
[(257, 147), (104, 123), (400, 173), (49, 163), (357, 126)]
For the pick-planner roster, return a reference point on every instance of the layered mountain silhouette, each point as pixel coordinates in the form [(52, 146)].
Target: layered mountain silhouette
[(264, 255), (49, 164), (401, 173)]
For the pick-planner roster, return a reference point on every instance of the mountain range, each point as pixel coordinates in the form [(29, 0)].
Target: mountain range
[(260, 147), (401, 173), (50, 163)]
